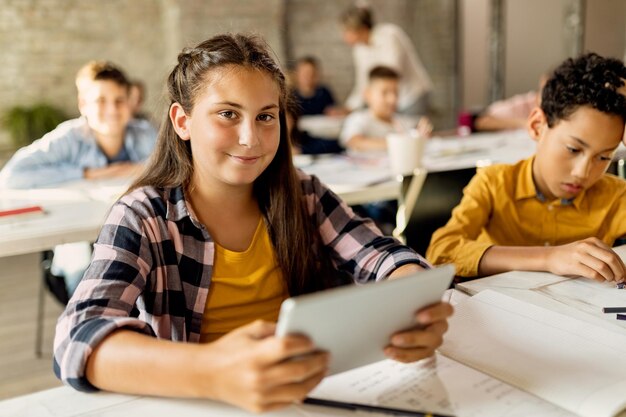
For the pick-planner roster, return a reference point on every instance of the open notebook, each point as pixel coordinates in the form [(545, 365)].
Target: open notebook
[(501, 357)]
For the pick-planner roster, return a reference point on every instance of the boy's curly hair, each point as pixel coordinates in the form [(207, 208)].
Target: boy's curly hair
[(588, 80)]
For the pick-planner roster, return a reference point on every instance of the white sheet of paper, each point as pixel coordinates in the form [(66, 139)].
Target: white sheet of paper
[(566, 361), (439, 385)]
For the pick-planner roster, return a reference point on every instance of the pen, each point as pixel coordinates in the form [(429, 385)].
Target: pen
[(621, 316), (370, 408), (614, 310)]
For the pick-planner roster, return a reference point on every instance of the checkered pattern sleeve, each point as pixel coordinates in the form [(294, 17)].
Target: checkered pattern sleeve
[(358, 247), (134, 281), (105, 298)]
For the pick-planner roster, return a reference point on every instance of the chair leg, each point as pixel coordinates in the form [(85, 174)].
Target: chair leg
[(41, 299)]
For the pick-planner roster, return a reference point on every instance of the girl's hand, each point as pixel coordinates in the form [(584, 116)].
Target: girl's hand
[(252, 369), (421, 342)]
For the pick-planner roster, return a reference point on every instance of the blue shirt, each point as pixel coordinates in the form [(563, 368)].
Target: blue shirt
[(315, 104), (63, 154)]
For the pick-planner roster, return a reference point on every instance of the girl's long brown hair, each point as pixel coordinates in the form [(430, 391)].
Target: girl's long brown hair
[(278, 191)]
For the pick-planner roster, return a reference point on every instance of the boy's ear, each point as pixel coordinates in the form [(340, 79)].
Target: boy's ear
[(536, 123), (366, 94), (180, 121), (81, 104)]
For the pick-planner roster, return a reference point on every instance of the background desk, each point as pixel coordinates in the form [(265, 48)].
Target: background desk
[(73, 212)]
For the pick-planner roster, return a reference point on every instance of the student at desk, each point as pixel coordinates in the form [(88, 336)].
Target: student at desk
[(103, 143), (215, 234), (302, 142), (365, 130), (557, 211), (313, 97)]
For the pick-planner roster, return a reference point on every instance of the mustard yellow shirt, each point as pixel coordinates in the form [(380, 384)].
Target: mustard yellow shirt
[(245, 286), (501, 206)]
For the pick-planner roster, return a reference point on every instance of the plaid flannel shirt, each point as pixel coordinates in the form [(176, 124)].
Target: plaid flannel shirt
[(153, 261)]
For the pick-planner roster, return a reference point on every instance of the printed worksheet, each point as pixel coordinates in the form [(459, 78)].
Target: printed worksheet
[(437, 385)]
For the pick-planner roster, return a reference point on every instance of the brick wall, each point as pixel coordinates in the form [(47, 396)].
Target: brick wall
[(44, 42)]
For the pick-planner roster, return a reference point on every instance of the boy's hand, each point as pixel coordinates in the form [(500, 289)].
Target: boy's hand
[(589, 258), (252, 369), (421, 342)]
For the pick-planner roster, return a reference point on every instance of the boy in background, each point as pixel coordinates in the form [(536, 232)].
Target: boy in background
[(365, 130), (103, 143), (313, 97), (510, 113), (557, 211)]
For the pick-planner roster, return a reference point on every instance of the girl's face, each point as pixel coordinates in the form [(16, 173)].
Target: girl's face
[(233, 128)]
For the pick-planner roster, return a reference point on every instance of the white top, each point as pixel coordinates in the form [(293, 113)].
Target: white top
[(364, 123), (389, 46)]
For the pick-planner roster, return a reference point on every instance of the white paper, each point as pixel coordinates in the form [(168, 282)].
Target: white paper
[(439, 385), (566, 361)]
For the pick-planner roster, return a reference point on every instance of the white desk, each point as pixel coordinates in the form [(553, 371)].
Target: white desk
[(321, 126), (74, 212), (65, 402), (365, 177), (487, 397), (477, 150), (466, 391)]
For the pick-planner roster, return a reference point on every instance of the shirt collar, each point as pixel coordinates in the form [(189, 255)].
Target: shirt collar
[(177, 208), (526, 187)]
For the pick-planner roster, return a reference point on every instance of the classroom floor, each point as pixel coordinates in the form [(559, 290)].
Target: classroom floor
[(21, 371)]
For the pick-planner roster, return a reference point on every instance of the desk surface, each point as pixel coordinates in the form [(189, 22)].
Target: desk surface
[(66, 402), (73, 212), (468, 390), (365, 177)]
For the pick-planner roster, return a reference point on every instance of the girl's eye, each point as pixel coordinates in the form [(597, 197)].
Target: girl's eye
[(572, 150), (227, 114), (266, 117), (605, 158)]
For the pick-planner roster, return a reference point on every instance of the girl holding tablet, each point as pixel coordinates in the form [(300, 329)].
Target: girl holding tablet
[(192, 264)]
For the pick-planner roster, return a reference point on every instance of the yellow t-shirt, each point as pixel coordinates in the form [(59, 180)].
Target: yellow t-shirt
[(245, 286), (500, 206)]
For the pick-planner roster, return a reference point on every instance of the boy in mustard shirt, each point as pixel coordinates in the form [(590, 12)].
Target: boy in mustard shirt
[(557, 211)]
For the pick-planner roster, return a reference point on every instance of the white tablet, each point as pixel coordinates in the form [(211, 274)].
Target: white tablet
[(354, 323)]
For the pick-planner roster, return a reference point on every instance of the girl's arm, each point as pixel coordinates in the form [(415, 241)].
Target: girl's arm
[(248, 367), (356, 245)]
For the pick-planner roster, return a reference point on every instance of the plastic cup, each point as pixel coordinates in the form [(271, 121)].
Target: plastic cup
[(405, 152)]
